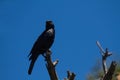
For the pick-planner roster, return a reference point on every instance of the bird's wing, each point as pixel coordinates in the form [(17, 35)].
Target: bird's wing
[(38, 43), (41, 41)]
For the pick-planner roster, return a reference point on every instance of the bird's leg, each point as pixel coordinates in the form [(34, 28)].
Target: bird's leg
[(47, 54), (49, 51)]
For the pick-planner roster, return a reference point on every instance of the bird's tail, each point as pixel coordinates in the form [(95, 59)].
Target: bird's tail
[(31, 66)]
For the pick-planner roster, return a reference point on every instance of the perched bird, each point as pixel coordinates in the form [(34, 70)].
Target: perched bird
[(42, 44)]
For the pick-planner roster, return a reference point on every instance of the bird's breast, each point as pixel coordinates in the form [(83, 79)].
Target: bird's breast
[(50, 32)]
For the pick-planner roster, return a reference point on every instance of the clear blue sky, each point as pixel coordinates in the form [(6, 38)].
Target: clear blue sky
[(78, 24)]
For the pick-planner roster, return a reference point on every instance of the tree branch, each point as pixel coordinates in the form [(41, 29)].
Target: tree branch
[(107, 73), (104, 57), (70, 76), (104, 54), (110, 72), (51, 66)]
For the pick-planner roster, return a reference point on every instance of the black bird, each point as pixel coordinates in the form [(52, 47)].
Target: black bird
[(42, 44)]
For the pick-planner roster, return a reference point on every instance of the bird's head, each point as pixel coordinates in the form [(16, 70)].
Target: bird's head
[(49, 24)]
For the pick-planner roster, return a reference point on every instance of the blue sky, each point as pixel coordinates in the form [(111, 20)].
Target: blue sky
[(78, 24)]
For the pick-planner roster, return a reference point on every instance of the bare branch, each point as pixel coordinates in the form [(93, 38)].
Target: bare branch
[(51, 66), (107, 74), (105, 54), (110, 72), (100, 47), (70, 76), (104, 57)]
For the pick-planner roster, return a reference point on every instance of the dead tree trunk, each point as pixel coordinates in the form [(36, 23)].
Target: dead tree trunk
[(108, 73)]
